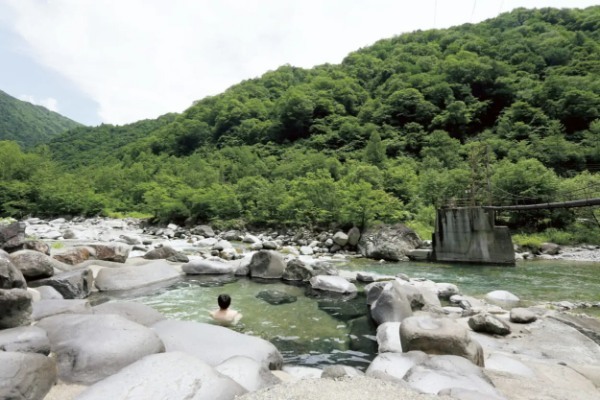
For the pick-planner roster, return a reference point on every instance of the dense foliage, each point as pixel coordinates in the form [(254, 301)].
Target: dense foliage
[(28, 124), (500, 112)]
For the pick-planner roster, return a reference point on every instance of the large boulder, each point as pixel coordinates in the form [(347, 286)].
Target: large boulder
[(136, 312), (26, 376), (10, 276), (335, 284), (448, 372), (297, 270), (162, 253), (247, 372), (502, 298), (276, 297), (76, 284), (340, 238), (394, 366), (388, 242), (117, 252), (35, 265), (267, 265), (48, 293), (37, 245), (92, 347), (15, 308), (487, 323), (441, 336), (25, 339), (208, 267), (353, 236), (388, 337), (392, 305), (12, 236), (126, 278), (522, 316), (172, 375), (203, 230), (214, 344), (76, 255), (46, 308)]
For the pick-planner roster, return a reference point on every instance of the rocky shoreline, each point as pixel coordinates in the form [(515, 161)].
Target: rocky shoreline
[(433, 341)]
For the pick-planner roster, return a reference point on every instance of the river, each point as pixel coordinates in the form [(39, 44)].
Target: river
[(316, 330)]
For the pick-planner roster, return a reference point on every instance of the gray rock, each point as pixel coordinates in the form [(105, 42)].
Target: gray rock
[(446, 290), (392, 305), (76, 284), (439, 336), (306, 251), (267, 264), (92, 347), (270, 245), (550, 249), (297, 270), (34, 265), (251, 239), (335, 284), (15, 308), (117, 252), (136, 312), (214, 344), (501, 362), (502, 298), (76, 255), (442, 372), (208, 267), (353, 236), (160, 253), (248, 373), (126, 278), (49, 293), (232, 235), (25, 339), (388, 337), (389, 243), (394, 366), (25, 376), (203, 230), (222, 245), (276, 297), (522, 316), (37, 245), (340, 371), (12, 236), (373, 291), (419, 255), (487, 323), (10, 276), (172, 375), (324, 268), (340, 238), (131, 239), (47, 308)]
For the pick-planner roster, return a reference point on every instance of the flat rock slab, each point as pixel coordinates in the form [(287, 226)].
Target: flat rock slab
[(126, 278), (92, 347), (47, 308), (214, 344), (25, 375), (173, 375), (208, 267), (136, 312), (335, 284), (25, 339)]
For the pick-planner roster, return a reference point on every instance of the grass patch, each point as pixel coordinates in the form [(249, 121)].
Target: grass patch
[(532, 242), (423, 230), (57, 245), (129, 214)]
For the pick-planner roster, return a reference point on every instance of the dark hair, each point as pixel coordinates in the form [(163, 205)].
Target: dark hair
[(224, 301)]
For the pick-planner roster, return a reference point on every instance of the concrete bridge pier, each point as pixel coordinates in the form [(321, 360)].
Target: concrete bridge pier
[(469, 235)]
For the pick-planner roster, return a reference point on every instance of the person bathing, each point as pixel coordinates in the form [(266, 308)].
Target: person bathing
[(224, 315)]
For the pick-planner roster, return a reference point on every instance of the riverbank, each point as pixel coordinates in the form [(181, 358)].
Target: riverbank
[(526, 363)]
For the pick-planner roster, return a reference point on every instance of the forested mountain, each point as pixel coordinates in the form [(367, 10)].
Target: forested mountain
[(503, 111), (28, 124)]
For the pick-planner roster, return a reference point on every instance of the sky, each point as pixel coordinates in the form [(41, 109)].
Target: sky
[(119, 61)]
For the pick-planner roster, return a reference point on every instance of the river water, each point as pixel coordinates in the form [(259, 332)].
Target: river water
[(317, 330)]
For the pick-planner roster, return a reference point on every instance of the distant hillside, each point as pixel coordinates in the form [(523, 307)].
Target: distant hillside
[(28, 124)]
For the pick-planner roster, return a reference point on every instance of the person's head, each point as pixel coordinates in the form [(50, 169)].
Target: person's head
[(224, 301)]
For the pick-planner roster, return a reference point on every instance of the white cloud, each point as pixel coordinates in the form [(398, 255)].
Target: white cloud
[(49, 102), (142, 58)]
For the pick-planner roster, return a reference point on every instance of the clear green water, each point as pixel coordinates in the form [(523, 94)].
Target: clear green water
[(316, 330)]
